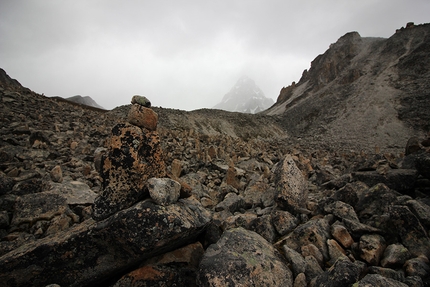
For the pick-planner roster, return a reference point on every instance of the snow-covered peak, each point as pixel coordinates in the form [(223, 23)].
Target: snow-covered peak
[(246, 97)]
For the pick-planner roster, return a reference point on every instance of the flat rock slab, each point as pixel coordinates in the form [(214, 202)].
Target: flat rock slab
[(401, 180), (74, 191), (243, 258), (92, 252)]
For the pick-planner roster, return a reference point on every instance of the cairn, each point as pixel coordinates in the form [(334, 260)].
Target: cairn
[(134, 155)]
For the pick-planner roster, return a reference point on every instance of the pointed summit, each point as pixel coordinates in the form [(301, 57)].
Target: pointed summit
[(245, 97)]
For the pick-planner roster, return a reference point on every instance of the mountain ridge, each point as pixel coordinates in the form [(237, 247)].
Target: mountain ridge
[(362, 92)]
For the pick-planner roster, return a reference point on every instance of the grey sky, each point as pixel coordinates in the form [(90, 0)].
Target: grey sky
[(180, 54)]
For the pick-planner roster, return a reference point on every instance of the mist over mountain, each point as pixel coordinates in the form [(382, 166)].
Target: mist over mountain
[(245, 97), (88, 101)]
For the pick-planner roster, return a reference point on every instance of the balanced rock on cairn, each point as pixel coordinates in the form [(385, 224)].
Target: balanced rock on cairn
[(134, 156)]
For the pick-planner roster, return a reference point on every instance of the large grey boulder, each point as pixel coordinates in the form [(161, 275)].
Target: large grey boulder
[(92, 252), (243, 258), (291, 185)]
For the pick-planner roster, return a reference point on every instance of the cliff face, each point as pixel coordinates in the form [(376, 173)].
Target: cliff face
[(362, 92)]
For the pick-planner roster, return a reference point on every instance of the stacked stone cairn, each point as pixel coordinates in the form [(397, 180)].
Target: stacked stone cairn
[(133, 165)]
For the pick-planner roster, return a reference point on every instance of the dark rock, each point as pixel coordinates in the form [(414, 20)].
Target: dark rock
[(395, 255), (315, 231), (297, 261), (313, 269), (422, 164), (342, 273), (418, 266), (401, 180), (283, 221), (412, 146), (374, 203), (347, 194), (407, 226), (175, 268), (421, 211), (263, 226), (387, 273), (28, 186), (342, 210), (379, 280), (232, 202), (230, 262), (372, 247), (38, 136), (259, 194), (6, 184), (141, 100), (91, 252)]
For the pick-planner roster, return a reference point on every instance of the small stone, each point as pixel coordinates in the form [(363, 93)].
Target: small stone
[(143, 117), (56, 174), (395, 255), (164, 191), (372, 247), (176, 167), (418, 266), (300, 280), (341, 234), (141, 100), (335, 251), (296, 260), (311, 249), (284, 222)]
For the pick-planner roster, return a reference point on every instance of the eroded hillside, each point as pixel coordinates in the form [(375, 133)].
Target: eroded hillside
[(362, 93)]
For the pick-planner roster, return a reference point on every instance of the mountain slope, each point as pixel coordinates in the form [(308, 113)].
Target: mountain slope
[(245, 97), (88, 101), (362, 93)]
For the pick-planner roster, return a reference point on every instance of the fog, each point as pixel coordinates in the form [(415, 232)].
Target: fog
[(180, 54)]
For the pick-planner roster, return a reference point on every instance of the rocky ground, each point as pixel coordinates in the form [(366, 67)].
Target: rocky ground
[(99, 198)]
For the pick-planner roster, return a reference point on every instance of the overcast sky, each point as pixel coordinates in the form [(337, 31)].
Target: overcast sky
[(180, 54)]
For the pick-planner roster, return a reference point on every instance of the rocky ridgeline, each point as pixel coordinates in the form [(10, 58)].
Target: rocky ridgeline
[(137, 198)]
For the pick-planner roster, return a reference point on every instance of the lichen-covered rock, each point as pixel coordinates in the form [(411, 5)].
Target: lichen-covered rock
[(412, 234), (372, 247), (315, 231), (395, 255), (134, 156), (74, 191), (342, 273), (143, 117), (341, 234), (379, 280), (243, 258), (341, 209), (141, 100), (164, 191), (283, 221), (175, 268), (291, 186), (92, 252), (418, 266), (232, 202)]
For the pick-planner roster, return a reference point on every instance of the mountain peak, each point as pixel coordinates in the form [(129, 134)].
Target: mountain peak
[(245, 97)]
